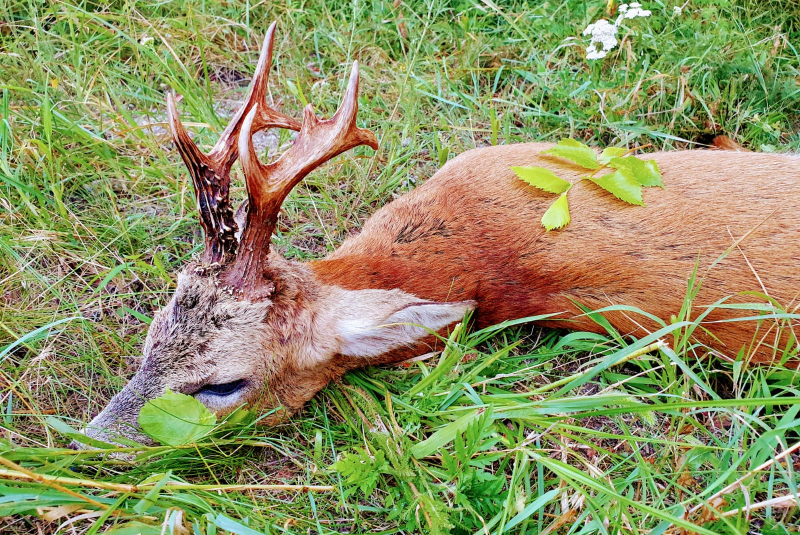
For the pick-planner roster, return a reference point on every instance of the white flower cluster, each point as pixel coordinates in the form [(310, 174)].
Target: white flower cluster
[(604, 38), (604, 34), (633, 10)]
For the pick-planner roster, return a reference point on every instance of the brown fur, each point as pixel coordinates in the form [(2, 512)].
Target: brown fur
[(477, 236), (470, 238), (726, 143)]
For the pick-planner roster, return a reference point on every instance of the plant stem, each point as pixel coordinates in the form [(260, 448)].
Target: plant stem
[(24, 473), (21, 473)]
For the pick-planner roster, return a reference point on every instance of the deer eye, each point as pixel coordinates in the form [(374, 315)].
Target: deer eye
[(222, 389)]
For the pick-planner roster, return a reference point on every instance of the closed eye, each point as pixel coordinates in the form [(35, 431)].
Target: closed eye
[(222, 389)]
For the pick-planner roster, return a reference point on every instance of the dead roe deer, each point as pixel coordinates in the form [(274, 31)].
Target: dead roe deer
[(247, 326)]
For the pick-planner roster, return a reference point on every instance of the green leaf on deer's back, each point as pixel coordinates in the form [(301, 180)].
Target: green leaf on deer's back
[(611, 152), (542, 178), (175, 419), (622, 185), (557, 216), (576, 152), (646, 172)]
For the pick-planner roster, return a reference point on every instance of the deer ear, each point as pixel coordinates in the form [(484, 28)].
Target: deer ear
[(379, 320)]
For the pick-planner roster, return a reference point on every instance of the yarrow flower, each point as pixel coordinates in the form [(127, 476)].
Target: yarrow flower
[(633, 10), (604, 38), (677, 10), (604, 34)]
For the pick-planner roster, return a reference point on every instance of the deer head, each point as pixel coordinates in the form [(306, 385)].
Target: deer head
[(245, 326)]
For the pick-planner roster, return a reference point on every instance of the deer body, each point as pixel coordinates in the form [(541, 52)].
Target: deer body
[(247, 327), (472, 232)]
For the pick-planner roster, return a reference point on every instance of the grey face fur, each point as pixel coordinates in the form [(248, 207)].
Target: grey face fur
[(204, 336), (277, 352)]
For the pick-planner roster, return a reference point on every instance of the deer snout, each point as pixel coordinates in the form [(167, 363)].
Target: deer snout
[(118, 419)]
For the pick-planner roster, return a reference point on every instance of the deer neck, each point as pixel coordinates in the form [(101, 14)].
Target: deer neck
[(362, 272)]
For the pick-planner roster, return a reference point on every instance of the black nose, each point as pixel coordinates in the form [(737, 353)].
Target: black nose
[(74, 445)]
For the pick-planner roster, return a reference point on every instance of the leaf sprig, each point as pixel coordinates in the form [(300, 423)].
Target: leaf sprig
[(630, 174), (175, 419)]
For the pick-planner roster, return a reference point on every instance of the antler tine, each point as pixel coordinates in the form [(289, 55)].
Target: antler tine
[(211, 172), (211, 190), (268, 185), (226, 148)]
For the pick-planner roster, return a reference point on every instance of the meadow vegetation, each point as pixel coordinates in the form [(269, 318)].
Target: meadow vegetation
[(511, 429)]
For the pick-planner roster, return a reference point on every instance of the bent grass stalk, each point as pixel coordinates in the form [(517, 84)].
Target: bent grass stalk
[(25, 473), (57, 482), (566, 380)]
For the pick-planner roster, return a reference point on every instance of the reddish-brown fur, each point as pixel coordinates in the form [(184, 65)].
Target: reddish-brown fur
[(472, 232)]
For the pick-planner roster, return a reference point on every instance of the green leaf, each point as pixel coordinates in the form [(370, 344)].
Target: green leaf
[(576, 152), (150, 499), (443, 436), (175, 419), (46, 330), (531, 508), (557, 216), (74, 434), (542, 178), (135, 528), (646, 172), (228, 524), (362, 470), (15, 500), (622, 185), (240, 416), (611, 152)]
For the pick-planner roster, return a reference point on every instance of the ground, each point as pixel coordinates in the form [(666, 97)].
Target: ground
[(97, 216)]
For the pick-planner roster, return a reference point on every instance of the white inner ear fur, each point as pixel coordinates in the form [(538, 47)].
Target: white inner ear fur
[(373, 322)]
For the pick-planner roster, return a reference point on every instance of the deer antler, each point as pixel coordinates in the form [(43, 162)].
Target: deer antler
[(211, 172), (268, 185)]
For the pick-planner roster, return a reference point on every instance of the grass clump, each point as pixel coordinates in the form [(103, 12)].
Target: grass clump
[(510, 429)]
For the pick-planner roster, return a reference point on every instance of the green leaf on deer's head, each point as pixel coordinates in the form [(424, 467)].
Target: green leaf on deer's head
[(576, 152), (557, 216), (175, 419), (542, 178)]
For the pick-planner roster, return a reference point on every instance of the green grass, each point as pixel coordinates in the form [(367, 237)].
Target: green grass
[(97, 215)]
